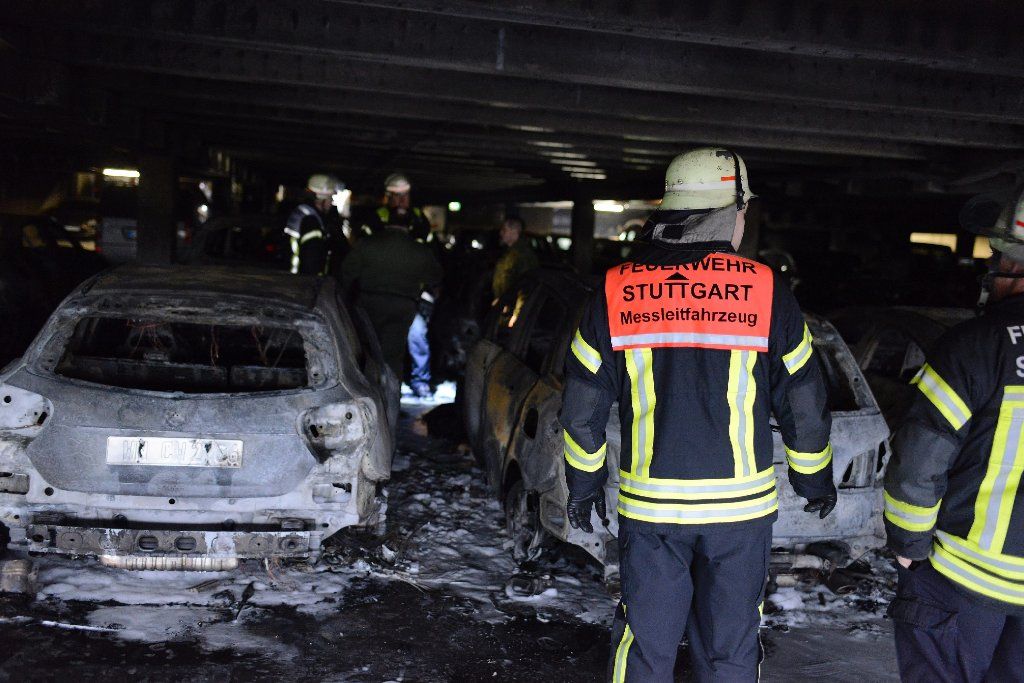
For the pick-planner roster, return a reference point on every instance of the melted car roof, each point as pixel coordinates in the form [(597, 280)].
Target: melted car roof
[(273, 286)]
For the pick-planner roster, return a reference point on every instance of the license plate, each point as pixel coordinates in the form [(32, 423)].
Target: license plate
[(173, 452)]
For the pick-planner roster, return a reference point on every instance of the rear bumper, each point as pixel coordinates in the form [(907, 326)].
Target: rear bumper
[(190, 549)]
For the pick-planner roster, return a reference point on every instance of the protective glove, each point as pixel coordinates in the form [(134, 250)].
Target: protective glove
[(578, 510), (823, 505)]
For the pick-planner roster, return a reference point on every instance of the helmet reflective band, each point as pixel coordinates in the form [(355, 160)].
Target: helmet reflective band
[(706, 178), (1008, 232)]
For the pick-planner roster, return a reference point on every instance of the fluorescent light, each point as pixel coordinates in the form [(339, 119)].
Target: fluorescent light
[(562, 153), (454, 206), (609, 207), (545, 143), (597, 175), (574, 162), (120, 173)]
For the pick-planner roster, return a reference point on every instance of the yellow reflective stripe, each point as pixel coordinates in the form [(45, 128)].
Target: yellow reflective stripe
[(910, 517), (311, 235), (384, 213), (639, 365), (740, 395), (798, 357), (809, 463), (576, 456), (998, 490), (1005, 566), (621, 653), (969, 576), (702, 513), (585, 353), (942, 396), (696, 489)]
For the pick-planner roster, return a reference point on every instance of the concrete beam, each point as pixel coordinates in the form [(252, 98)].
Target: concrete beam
[(175, 34)]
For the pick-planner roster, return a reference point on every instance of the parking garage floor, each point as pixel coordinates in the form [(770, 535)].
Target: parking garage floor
[(393, 608)]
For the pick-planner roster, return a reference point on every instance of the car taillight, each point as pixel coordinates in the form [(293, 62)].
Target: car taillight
[(337, 427)]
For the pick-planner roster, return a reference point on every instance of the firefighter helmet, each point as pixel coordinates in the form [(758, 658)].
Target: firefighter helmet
[(397, 183), (323, 185), (706, 178), (1000, 217)]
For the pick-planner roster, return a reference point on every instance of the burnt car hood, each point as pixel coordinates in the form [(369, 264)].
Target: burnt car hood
[(70, 451)]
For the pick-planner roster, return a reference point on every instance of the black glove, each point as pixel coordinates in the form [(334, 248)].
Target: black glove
[(823, 505), (578, 510)]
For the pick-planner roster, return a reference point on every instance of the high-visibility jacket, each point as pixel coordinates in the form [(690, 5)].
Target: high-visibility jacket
[(307, 239), (953, 486), (413, 219), (700, 347)]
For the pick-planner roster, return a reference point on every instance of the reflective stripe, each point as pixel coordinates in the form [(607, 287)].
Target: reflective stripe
[(729, 184), (295, 256), (798, 357), (697, 488), (1006, 566), (942, 397), (639, 365), (998, 491), (311, 235), (809, 463), (740, 395), (585, 353), (291, 233), (910, 517), (581, 459), (621, 654), (724, 341), (969, 576), (700, 513)]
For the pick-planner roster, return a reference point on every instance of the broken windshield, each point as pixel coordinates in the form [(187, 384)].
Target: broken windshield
[(162, 355)]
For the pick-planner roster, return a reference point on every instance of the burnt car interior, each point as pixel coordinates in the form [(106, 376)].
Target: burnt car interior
[(164, 355)]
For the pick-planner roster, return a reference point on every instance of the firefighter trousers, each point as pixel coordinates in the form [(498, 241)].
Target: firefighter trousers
[(391, 317), (943, 636), (708, 584)]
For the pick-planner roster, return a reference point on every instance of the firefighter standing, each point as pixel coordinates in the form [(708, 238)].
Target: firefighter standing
[(310, 228), (389, 271), (954, 506), (699, 346), (517, 259)]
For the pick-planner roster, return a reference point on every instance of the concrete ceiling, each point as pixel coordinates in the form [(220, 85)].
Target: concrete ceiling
[(544, 99)]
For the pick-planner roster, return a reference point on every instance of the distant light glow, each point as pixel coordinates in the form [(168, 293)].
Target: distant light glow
[(609, 207), (939, 239), (548, 143), (562, 153), (120, 173), (476, 244), (574, 162), (597, 175), (455, 207)]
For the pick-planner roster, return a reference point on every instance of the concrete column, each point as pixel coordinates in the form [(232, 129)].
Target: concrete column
[(158, 196), (582, 228)]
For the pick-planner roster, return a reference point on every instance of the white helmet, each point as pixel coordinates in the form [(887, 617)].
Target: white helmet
[(397, 183), (706, 178), (323, 185)]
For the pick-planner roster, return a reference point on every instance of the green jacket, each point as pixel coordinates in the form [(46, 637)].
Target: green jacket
[(390, 262), (517, 260)]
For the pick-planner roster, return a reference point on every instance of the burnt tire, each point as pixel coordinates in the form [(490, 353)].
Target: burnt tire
[(522, 523)]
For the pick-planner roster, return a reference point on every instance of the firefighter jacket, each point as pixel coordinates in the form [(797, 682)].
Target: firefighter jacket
[(308, 241), (515, 262), (953, 486), (414, 220), (700, 347), (390, 263)]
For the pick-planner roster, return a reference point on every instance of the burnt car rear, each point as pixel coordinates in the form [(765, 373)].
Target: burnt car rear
[(512, 395), (168, 418)]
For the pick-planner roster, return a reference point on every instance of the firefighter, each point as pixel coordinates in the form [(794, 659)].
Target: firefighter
[(309, 227), (397, 209), (954, 505), (699, 346), (387, 272), (518, 257)]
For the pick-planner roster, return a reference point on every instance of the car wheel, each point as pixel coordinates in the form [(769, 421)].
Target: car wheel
[(529, 540)]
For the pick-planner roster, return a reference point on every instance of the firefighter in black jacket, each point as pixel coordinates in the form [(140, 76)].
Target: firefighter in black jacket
[(699, 346), (954, 504), (312, 232)]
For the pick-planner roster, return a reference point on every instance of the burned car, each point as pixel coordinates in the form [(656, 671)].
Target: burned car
[(890, 345), (512, 394), (175, 418)]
